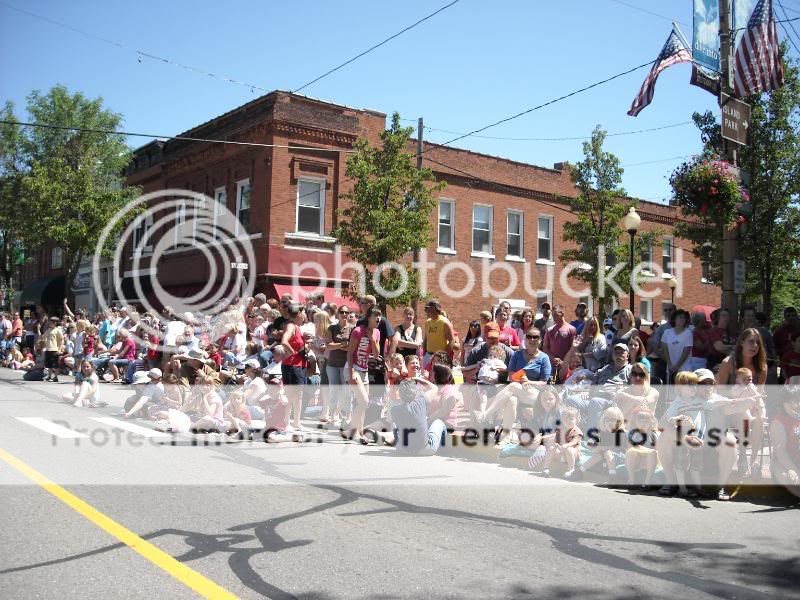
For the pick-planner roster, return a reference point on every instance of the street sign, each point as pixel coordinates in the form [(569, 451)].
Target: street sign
[(239, 265), (735, 119), (739, 273)]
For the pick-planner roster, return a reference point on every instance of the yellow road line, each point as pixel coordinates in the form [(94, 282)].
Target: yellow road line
[(189, 577)]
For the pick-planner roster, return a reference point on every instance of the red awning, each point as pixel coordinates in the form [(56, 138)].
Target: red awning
[(300, 292)]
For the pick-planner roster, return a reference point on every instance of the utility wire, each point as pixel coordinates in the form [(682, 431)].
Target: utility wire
[(786, 31), (548, 103), (560, 139), (140, 53), (650, 12), (172, 137), (376, 46)]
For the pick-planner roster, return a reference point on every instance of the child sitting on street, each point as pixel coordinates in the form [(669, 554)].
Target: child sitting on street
[(566, 447), (642, 455)]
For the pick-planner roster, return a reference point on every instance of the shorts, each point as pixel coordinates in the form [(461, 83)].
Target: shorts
[(51, 359), (292, 375)]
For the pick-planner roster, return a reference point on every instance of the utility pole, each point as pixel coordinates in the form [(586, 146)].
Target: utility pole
[(419, 168), (729, 243)]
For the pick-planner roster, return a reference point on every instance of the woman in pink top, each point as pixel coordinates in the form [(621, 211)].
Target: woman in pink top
[(363, 344), (208, 404)]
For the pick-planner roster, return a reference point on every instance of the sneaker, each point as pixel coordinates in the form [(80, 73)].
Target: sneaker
[(569, 474), (545, 472), (723, 495), (668, 490)]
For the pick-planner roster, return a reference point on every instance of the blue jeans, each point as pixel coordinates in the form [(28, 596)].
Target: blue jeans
[(338, 389), (591, 409), (436, 437)]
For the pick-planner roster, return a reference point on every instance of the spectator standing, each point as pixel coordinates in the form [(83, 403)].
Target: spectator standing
[(579, 322), (437, 335), (558, 339), (546, 321)]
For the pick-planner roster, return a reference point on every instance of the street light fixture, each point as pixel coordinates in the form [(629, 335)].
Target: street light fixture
[(673, 283), (630, 223)]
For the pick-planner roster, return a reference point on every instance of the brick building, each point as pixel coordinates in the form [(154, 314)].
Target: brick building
[(496, 216)]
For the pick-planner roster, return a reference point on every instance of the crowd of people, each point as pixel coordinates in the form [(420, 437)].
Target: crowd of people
[(657, 405)]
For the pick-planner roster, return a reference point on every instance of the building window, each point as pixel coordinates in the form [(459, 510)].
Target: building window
[(243, 206), (141, 235), (514, 231), (646, 309), (220, 207), (647, 258), (180, 223), (545, 239), (664, 305), (541, 298), (482, 230), (666, 256), (310, 206), (705, 276), (446, 225), (56, 258)]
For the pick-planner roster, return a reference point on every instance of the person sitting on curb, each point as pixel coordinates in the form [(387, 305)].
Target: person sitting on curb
[(87, 388), (412, 435), (149, 389)]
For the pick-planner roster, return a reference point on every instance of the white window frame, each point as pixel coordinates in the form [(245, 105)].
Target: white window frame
[(648, 315), (521, 256), (57, 257), (704, 268), (667, 243), (649, 268), (450, 246), (480, 253), (239, 187), (198, 211), (219, 208), (664, 303), (322, 182), (539, 259)]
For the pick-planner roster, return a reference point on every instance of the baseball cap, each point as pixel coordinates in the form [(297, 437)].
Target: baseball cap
[(154, 373), (253, 364), (546, 305), (608, 322), (492, 330), (704, 375), (620, 346)]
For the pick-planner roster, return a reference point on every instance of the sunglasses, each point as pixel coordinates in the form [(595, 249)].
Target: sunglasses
[(533, 337), (344, 312), (637, 374)]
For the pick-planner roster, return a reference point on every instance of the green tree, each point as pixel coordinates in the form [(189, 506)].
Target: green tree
[(73, 180), (388, 214), (11, 222), (769, 241), (597, 232)]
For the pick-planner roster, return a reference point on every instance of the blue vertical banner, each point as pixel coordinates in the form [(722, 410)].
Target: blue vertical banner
[(705, 49)]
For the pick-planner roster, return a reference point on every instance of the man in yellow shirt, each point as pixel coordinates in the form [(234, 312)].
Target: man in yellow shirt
[(437, 334), (53, 345)]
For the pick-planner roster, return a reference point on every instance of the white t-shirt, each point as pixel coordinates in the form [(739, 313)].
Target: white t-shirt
[(254, 389), (676, 342), (174, 329)]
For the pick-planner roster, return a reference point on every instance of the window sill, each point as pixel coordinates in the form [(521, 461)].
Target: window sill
[(517, 259), (445, 251), (308, 237), (544, 261), (482, 255), (705, 281), (252, 236), (667, 276)]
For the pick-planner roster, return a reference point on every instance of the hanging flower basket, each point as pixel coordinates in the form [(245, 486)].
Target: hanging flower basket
[(706, 188)]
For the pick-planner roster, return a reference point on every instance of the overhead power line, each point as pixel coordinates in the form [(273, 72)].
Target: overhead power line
[(548, 103), (172, 137), (786, 31), (138, 52), (376, 46), (560, 139), (650, 12)]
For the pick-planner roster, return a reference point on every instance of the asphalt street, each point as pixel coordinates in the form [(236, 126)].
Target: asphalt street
[(329, 519)]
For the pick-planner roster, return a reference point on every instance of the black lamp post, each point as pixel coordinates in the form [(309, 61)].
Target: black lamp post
[(673, 283), (630, 223)]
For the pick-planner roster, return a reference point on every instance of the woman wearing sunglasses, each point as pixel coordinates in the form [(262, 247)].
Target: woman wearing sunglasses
[(638, 395)]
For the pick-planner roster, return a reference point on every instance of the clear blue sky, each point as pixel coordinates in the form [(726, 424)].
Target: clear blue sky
[(471, 65)]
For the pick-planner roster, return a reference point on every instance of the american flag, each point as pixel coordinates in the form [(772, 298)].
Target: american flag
[(675, 51), (758, 66)]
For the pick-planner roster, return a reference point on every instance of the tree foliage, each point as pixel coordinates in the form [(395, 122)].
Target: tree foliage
[(770, 240), (69, 183), (596, 230), (388, 213)]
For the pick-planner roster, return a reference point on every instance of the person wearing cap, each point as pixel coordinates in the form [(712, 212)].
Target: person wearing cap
[(437, 333), (254, 387), (579, 322), (148, 388), (609, 380), (481, 352), (546, 321), (193, 365)]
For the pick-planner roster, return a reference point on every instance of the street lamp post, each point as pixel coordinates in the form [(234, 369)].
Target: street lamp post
[(673, 283), (630, 223)]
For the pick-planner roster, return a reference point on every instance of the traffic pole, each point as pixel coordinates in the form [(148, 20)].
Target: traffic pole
[(419, 168), (729, 240)]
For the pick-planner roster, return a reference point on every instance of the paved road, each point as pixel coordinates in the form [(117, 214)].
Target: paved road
[(333, 520)]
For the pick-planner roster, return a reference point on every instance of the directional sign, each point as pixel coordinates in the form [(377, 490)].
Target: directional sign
[(239, 265), (735, 119), (739, 273)]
